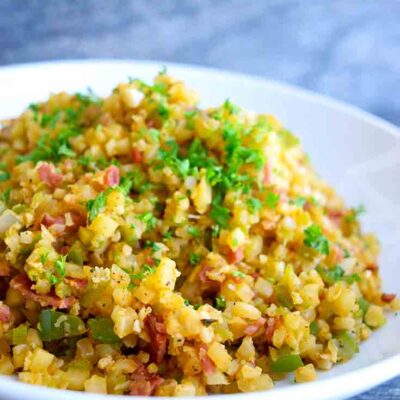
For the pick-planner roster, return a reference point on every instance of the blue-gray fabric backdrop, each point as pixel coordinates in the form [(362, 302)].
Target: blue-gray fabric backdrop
[(347, 49)]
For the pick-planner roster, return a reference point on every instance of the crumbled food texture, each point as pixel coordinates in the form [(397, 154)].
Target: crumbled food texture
[(153, 248)]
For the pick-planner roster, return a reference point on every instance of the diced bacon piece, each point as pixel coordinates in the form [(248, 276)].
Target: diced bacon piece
[(78, 220), (5, 268), (136, 155), (24, 286), (49, 220), (151, 123), (388, 297), (64, 250), (48, 175), (79, 284), (234, 256), (252, 329), (338, 254), (5, 313), (6, 132), (272, 324), (206, 363), (203, 274), (143, 383), (158, 338), (372, 267), (336, 216), (145, 387), (267, 174), (283, 195), (209, 287), (111, 176)]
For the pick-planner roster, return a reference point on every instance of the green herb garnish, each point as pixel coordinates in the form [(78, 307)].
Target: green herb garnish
[(194, 258), (272, 200), (59, 266), (314, 239), (220, 303), (96, 205), (336, 274), (149, 219), (254, 205), (355, 213)]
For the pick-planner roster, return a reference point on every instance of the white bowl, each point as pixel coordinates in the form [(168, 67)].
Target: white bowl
[(357, 153)]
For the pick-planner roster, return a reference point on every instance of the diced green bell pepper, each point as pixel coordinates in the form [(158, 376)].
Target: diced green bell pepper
[(287, 363), (55, 325)]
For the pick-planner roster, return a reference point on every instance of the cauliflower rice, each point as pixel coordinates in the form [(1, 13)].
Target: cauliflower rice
[(150, 247)]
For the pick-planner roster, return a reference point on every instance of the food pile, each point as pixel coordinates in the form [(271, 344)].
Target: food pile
[(150, 247)]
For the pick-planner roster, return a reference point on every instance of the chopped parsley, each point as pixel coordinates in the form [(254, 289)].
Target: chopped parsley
[(363, 304), (44, 257), (336, 274), (88, 98), (355, 213), (154, 134), (189, 115), (254, 205), (221, 215), (145, 271), (346, 253), (272, 200), (152, 245), (168, 235), (59, 266), (298, 201), (149, 219), (314, 239), (5, 196), (51, 120), (51, 149), (96, 205), (134, 180), (220, 303), (235, 153), (162, 108), (215, 229), (194, 258), (85, 161), (239, 274), (34, 107), (287, 138), (170, 157), (4, 174), (194, 231), (230, 107), (103, 163), (314, 328)]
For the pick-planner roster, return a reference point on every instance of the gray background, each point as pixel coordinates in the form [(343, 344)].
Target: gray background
[(347, 49)]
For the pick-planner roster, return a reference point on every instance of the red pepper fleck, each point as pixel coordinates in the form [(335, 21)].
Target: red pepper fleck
[(206, 362), (252, 329), (272, 324), (136, 156)]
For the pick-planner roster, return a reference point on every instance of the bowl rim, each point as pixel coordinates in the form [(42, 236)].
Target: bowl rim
[(344, 384)]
